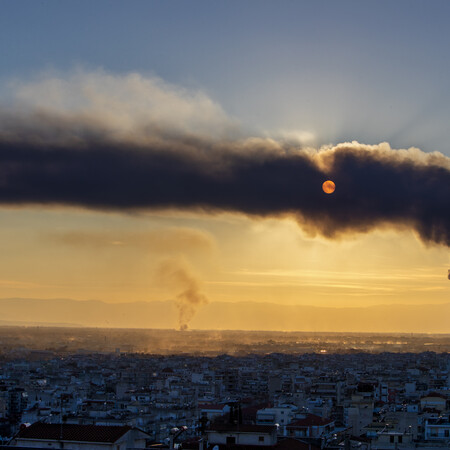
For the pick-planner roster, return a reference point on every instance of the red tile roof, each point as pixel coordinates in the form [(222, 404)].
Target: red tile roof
[(73, 432), (311, 420)]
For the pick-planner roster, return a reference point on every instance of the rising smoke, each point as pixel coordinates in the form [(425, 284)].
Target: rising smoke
[(91, 148), (176, 273)]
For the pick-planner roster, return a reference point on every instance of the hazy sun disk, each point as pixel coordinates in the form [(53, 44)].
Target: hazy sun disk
[(328, 187)]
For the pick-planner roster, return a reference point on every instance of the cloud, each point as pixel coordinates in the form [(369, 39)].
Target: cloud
[(124, 107), (102, 154)]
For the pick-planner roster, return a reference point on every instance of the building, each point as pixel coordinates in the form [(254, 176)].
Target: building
[(80, 437), (437, 429), (212, 411), (281, 415), (311, 426), (360, 413), (244, 435), (434, 400), (394, 440)]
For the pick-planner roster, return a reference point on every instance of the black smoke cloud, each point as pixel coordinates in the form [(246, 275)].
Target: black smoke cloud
[(375, 185)]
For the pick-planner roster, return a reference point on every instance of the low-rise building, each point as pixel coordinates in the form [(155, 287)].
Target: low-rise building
[(239, 434), (311, 426), (437, 429), (80, 437)]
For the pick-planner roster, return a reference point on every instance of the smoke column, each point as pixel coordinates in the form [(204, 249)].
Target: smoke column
[(176, 273), (129, 143), (375, 185)]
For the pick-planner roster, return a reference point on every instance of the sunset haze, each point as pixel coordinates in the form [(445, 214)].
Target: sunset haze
[(178, 154)]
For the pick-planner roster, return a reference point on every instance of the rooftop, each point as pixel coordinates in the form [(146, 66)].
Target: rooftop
[(73, 432), (242, 428), (309, 421)]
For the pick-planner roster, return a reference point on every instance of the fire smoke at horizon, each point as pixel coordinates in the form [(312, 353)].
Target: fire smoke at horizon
[(177, 274)]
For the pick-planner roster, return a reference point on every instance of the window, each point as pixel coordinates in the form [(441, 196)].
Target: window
[(231, 440), (400, 439), (391, 438), (261, 438)]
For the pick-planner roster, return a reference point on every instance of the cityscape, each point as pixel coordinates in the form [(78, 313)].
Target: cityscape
[(278, 390)]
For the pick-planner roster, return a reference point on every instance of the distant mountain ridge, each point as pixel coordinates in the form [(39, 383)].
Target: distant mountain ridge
[(221, 316)]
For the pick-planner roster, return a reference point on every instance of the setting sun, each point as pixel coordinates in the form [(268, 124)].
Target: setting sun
[(328, 187)]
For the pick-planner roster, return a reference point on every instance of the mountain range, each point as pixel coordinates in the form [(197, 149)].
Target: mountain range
[(432, 318)]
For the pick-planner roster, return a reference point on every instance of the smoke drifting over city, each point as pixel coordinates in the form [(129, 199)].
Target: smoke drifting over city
[(64, 155)]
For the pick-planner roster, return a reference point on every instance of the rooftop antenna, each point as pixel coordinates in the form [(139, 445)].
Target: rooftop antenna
[(60, 419)]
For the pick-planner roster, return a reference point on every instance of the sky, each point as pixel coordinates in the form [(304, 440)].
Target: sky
[(176, 151)]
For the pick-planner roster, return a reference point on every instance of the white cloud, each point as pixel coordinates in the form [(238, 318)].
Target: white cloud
[(131, 106)]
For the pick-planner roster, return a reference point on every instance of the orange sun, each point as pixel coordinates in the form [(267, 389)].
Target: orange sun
[(328, 187)]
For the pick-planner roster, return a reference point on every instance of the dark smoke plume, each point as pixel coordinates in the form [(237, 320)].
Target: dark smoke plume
[(51, 161)]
